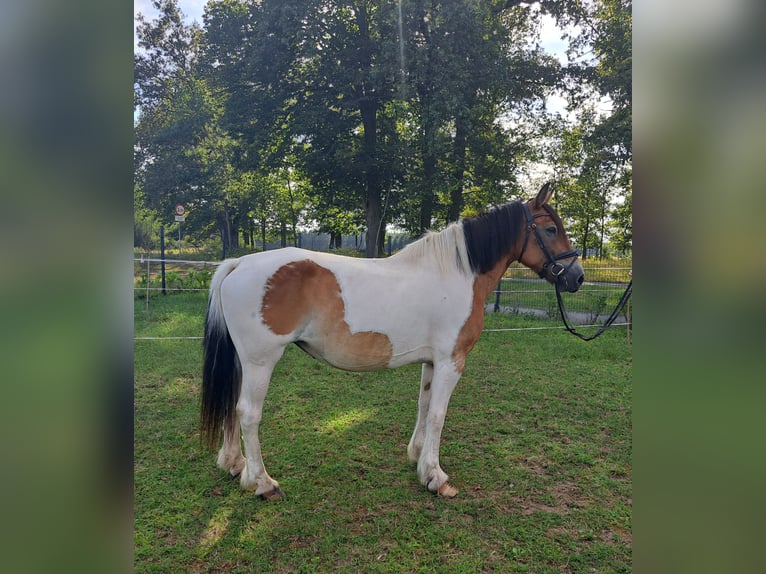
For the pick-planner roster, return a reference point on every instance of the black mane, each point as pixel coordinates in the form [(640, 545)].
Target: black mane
[(489, 236)]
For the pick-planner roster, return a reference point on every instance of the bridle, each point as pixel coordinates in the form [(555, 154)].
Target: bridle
[(557, 270), (551, 264)]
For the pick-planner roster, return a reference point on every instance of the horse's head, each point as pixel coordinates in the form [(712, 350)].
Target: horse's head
[(547, 250)]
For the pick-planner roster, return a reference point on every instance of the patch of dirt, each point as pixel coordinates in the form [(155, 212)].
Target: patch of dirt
[(617, 535), (566, 496), (533, 465), (530, 507)]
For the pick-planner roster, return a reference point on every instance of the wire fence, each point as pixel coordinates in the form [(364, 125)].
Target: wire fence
[(520, 293)]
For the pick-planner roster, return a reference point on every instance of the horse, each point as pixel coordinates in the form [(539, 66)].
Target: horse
[(424, 304)]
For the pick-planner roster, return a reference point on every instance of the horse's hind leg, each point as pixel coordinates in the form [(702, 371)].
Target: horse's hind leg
[(255, 383), (230, 456), (418, 435)]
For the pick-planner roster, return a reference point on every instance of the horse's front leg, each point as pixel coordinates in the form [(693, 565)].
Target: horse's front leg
[(255, 384), (430, 472), (418, 435)]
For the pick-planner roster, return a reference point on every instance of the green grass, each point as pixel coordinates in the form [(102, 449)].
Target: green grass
[(537, 438)]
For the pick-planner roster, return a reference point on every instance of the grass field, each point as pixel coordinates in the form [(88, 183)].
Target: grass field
[(537, 438)]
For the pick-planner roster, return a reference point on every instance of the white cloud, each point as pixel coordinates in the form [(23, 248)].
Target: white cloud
[(550, 39), (193, 10), (557, 104)]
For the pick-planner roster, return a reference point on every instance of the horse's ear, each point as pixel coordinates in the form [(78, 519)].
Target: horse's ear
[(544, 195)]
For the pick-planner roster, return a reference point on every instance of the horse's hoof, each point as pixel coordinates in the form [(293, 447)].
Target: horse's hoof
[(446, 490), (276, 494)]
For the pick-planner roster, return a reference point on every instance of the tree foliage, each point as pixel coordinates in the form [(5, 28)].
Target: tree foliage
[(354, 115)]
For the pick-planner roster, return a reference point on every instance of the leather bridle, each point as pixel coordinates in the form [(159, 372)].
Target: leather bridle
[(552, 264), (558, 271)]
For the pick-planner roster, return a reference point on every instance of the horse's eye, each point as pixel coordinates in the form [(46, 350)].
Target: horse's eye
[(551, 231)]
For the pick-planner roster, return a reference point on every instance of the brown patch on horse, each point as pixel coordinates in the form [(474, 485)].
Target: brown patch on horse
[(471, 330), (285, 307), (301, 292)]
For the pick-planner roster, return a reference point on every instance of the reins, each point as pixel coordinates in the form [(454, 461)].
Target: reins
[(558, 269), (611, 319)]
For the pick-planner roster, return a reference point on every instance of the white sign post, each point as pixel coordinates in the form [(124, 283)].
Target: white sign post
[(180, 218)]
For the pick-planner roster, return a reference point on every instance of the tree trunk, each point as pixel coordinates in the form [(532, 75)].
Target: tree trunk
[(263, 234), (368, 106), (428, 112), (374, 206), (427, 192), (585, 236), (603, 225), (226, 227), (293, 216), (429, 168), (458, 172), (382, 239)]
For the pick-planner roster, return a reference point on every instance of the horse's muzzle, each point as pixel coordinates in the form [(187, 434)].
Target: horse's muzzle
[(570, 277)]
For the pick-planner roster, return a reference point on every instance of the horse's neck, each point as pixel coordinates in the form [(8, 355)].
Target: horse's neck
[(485, 283)]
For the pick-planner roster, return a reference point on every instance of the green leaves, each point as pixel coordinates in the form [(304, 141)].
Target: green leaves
[(410, 113)]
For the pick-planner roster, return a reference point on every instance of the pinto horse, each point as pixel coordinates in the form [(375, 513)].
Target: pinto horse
[(425, 304)]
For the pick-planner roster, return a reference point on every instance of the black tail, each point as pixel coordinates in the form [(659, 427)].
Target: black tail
[(221, 380)]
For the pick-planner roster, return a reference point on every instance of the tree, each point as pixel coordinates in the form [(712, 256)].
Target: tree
[(175, 110), (413, 111), (146, 226), (348, 79), (609, 32), (588, 186), (468, 65), (621, 218)]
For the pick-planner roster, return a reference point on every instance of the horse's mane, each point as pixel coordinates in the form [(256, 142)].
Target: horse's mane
[(473, 245), (445, 248), (489, 236)]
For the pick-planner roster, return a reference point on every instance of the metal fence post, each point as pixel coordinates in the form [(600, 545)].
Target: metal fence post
[(147, 282), (162, 256)]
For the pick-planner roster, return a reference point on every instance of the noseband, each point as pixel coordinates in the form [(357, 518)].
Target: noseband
[(552, 265)]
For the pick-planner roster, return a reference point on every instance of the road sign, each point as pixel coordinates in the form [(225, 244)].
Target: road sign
[(180, 210), (180, 218)]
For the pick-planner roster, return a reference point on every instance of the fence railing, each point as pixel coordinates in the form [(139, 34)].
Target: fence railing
[(520, 292)]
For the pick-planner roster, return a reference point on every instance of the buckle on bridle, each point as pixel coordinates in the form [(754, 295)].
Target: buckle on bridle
[(557, 269)]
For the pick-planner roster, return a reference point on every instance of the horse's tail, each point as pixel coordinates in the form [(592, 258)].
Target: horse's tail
[(221, 372)]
